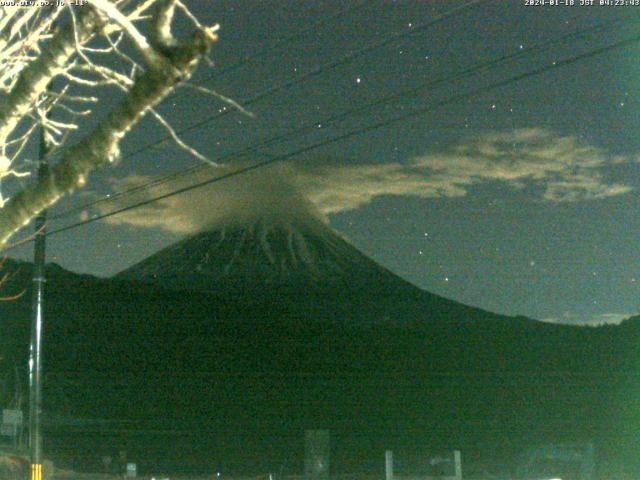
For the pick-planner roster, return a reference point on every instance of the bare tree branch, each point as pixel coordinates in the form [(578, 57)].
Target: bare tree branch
[(36, 76), (130, 29), (101, 146)]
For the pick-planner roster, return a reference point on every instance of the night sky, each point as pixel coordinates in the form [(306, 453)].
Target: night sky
[(521, 199)]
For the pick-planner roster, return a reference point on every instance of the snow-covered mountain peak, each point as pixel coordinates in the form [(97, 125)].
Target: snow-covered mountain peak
[(289, 250), (265, 232)]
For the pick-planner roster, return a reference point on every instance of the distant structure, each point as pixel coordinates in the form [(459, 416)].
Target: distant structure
[(11, 427), (316, 454), (442, 467), (388, 465), (566, 461)]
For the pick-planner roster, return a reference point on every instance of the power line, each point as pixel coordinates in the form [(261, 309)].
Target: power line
[(310, 126), (283, 42), (317, 71), (345, 59), (339, 15), (359, 131)]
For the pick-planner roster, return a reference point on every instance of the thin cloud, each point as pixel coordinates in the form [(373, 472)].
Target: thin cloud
[(560, 169), (258, 194)]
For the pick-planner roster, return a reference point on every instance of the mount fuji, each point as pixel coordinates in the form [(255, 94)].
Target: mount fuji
[(267, 323), (277, 256), (292, 253)]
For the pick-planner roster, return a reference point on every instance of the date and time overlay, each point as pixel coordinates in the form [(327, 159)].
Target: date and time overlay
[(45, 3), (527, 3), (582, 3)]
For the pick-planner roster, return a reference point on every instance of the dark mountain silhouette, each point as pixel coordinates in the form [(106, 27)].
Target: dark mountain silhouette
[(291, 263), (223, 348), (293, 254)]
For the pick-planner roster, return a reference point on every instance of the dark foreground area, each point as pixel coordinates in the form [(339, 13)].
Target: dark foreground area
[(197, 382)]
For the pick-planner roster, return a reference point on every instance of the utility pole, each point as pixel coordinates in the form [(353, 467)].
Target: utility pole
[(35, 348)]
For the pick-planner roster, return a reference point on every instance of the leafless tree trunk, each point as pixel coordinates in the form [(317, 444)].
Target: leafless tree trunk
[(33, 53)]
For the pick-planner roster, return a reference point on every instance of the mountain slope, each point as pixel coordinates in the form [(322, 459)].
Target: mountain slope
[(291, 253), (239, 378), (295, 265)]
